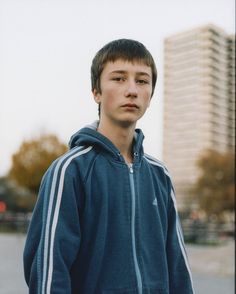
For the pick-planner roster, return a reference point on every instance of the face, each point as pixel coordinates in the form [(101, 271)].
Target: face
[(126, 89)]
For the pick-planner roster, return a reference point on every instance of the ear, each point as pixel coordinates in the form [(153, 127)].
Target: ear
[(96, 96)]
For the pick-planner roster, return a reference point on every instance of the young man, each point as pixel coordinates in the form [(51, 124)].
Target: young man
[(105, 221)]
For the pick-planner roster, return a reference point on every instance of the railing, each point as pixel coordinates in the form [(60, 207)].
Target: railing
[(14, 222), (199, 232)]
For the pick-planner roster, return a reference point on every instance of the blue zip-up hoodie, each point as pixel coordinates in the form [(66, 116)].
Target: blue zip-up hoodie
[(103, 227)]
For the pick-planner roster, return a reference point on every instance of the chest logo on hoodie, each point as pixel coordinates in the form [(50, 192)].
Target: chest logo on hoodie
[(154, 202)]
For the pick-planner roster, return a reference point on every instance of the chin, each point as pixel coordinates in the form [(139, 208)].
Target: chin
[(128, 122)]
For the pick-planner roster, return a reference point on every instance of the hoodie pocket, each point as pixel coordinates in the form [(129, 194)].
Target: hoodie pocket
[(127, 291), (120, 291), (155, 291)]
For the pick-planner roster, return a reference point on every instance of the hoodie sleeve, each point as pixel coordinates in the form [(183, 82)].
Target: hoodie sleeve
[(180, 279), (53, 237)]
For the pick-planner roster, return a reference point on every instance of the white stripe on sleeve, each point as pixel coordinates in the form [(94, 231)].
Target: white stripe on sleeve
[(48, 266)]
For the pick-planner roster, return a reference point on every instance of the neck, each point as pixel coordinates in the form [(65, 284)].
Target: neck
[(121, 137)]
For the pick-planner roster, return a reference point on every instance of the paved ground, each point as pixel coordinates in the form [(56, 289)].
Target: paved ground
[(212, 267), (217, 260)]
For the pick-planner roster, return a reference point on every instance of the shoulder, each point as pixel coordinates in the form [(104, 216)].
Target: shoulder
[(157, 164), (161, 172), (72, 155), (71, 162)]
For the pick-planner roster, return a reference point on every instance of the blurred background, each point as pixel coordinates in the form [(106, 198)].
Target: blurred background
[(46, 49)]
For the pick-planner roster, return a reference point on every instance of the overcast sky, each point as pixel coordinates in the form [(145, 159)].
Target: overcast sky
[(46, 48)]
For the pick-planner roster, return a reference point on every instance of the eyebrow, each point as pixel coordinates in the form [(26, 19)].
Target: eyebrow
[(141, 73)]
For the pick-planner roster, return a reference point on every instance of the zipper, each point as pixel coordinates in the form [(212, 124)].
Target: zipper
[(136, 266)]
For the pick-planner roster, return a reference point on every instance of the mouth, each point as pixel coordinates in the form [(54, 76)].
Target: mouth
[(130, 105)]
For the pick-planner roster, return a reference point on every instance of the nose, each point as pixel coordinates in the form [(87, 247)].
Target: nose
[(131, 90)]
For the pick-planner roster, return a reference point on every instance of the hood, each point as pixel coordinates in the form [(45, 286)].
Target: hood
[(89, 136)]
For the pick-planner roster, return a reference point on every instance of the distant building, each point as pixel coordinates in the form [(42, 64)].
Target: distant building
[(199, 100)]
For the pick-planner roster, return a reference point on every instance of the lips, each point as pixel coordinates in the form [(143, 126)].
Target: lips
[(130, 105)]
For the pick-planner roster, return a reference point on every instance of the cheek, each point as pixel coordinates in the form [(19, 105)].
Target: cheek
[(110, 96), (108, 99), (147, 99)]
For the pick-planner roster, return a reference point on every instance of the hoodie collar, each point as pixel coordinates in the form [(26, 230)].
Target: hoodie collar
[(89, 136)]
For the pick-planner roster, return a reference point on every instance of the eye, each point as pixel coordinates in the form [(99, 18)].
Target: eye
[(118, 79), (142, 82)]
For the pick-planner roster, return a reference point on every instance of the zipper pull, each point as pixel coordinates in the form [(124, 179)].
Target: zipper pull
[(131, 168)]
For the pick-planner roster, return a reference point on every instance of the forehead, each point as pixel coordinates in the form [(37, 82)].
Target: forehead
[(119, 65)]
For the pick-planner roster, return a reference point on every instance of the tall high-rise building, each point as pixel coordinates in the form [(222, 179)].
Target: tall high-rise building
[(199, 100)]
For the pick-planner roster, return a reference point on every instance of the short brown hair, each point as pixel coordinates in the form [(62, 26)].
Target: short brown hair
[(126, 49)]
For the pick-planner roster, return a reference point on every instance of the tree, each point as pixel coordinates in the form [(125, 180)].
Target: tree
[(32, 159), (214, 189)]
